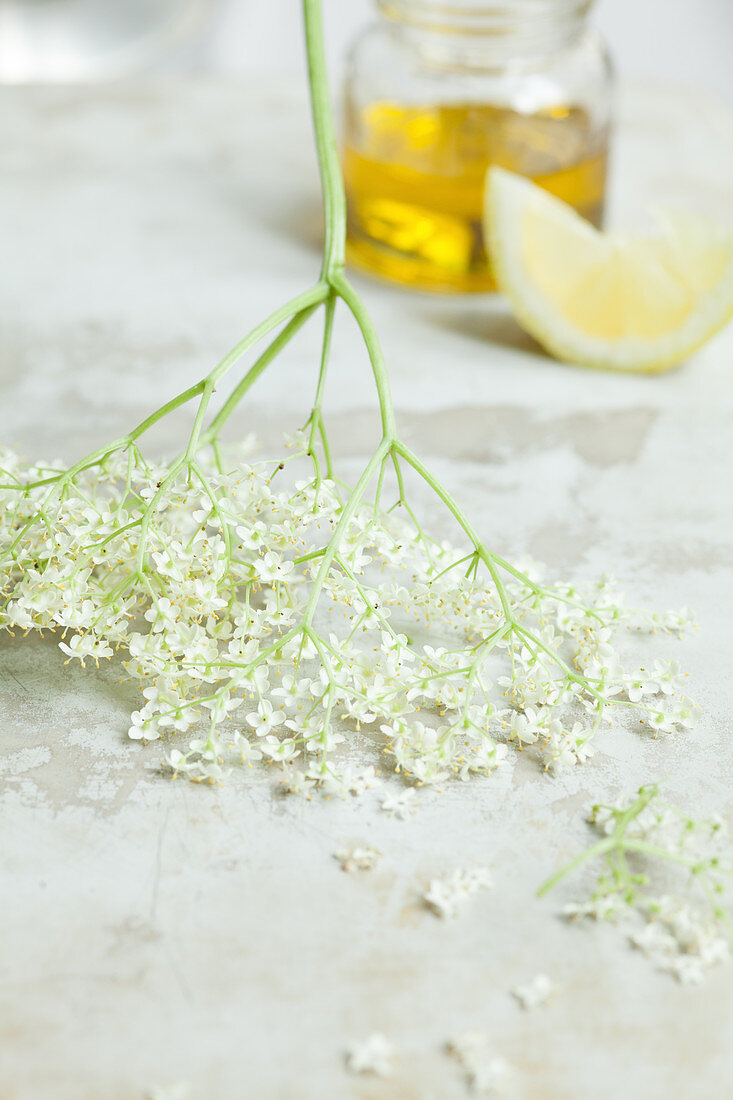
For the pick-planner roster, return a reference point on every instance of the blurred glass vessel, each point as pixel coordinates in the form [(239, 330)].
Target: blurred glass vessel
[(436, 92), (48, 41)]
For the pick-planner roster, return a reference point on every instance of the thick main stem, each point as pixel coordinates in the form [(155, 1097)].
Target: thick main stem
[(332, 186), (334, 207)]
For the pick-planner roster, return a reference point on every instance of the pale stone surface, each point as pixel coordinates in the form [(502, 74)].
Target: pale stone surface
[(155, 932)]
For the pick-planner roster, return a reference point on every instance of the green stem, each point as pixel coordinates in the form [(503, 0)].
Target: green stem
[(310, 297), (486, 557), (374, 349), (332, 187), (325, 350), (597, 850), (617, 839), (348, 510), (315, 420), (174, 403), (284, 337)]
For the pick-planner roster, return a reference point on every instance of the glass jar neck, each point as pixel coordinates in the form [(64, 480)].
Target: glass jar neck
[(487, 33)]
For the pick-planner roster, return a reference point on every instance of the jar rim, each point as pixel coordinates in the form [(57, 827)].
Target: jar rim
[(484, 17)]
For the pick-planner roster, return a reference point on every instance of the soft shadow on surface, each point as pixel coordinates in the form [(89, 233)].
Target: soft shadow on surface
[(485, 318), (39, 685), (488, 324), (301, 221)]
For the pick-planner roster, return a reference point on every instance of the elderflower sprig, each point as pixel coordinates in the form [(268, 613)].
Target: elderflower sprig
[(667, 869), (269, 611)]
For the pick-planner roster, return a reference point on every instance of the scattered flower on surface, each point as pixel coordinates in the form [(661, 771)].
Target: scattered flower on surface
[(665, 871), (358, 859), (372, 1055), (535, 992), (402, 805), (447, 896), (486, 1073)]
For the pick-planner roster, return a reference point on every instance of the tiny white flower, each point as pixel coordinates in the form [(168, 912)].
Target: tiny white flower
[(641, 685), (401, 805), (358, 780), (357, 859), (487, 1073), (275, 749), (447, 896), (270, 568), (525, 726), (535, 992), (143, 728), (180, 762), (687, 969), (265, 718), (372, 1055), (294, 780), (249, 753), (86, 645)]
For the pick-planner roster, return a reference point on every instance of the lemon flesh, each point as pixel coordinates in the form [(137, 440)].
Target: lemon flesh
[(640, 303)]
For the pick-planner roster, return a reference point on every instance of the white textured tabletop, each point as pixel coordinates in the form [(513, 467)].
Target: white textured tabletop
[(156, 932)]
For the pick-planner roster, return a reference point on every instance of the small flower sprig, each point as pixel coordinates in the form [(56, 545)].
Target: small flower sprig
[(667, 869), (272, 611)]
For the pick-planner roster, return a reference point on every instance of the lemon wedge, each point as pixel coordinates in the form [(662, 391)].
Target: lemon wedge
[(628, 303)]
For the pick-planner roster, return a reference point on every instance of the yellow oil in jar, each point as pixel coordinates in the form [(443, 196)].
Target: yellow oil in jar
[(415, 183)]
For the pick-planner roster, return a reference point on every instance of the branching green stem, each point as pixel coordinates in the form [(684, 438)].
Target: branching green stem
[(616, 842)]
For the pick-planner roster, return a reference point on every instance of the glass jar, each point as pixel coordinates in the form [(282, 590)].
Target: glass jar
[(436, 92)]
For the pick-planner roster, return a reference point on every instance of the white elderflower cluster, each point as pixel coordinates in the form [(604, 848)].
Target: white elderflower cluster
[(670, 871), (487, 1073), (268, 617), (447, 896), (681, 940)]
